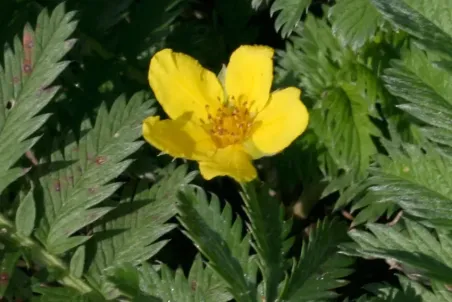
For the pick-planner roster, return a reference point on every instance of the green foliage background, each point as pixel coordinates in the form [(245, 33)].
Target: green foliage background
[(359, 208)]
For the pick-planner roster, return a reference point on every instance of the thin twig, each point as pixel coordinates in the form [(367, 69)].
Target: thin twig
[(347, 215), (396, 219)]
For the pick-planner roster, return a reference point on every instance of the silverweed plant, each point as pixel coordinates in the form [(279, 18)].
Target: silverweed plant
[(214, 151)]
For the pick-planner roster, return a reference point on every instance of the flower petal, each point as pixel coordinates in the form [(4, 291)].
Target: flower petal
[(279, 124), (181, 85), (230, 161), (178, 138), (250, 74)]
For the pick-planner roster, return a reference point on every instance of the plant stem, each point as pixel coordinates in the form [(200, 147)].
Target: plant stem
[(40, 255)]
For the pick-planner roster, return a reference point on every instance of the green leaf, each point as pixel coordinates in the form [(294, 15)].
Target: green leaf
[(77, 264), (125, 277), (343, 124), (424, 90), (354, 22), (413, 246), (425, 20), (206, 283), (26, 215), (314, 62), (58, 294), (266, 227), (69, 243), (344, 94), (202, 284), (290, 12), (256, 4), (130, 233), (167, 285), (415, 179), (10, 176), (75, 180), (319, 268), (9, 258), (24, 85), (410, 291), (220, 241)]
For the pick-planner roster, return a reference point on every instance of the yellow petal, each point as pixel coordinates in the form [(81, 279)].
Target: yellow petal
[(181, 85), (230, 161), (279, 124), (178, 138), (250, 74)]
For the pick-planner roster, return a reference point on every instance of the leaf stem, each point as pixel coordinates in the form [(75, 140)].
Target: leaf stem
[(40, 255)]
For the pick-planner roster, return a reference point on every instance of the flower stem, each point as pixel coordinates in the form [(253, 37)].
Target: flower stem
[(40, 255)]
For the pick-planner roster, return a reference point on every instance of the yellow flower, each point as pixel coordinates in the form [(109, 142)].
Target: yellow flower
[(223, 128)]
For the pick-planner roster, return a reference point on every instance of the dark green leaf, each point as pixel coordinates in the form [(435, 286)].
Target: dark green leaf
[(131, 232), (354, 22), (8, 263), (318, 269), (423, 19), (77, 264), (266, 227), (24, 84), (290, 12), (220, 241), (26, 215), (80, 176)]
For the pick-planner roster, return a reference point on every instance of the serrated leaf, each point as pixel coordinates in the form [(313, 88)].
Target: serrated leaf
[(68, 243), (58, 294), (130, 233), (427, 21), (77, 263), (425, 92), (70, 193), (167, 285), (415, 179), (310, 278), (409, 291), (354, 22), (126, 279), (24, 84), (290, 12), (26, 215), (266, 227), (206, 283), (343, 124), (413, 246), (219, 240), (149, 284), (314, 62)]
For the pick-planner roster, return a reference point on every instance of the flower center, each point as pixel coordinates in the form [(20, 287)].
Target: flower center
[(230, 125)]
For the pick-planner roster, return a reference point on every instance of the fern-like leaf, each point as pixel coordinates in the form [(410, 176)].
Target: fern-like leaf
[(162, 284), (25, 83), (319, 268), (267, 228), (429, 22), (410, 291), (412, 178), (345, 94), (414, 246), (425, 92), (129, 233), (220, 240), (290, 12), (314, 62), (70, 191)]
